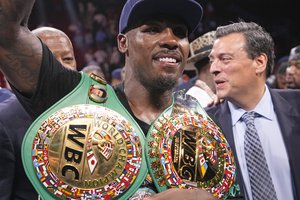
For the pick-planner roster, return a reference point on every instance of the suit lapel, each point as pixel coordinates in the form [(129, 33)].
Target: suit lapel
[(223, 115), (226, 123), (289, 120)]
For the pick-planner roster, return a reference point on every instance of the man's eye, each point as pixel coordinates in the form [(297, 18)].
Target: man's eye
[(225, 59), (68, 59), (180, 32), (153, 30)]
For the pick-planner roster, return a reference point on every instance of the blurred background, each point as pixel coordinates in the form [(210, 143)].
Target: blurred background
[(92, 25)]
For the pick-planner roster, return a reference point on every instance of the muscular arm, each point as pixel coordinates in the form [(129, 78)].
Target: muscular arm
[(20, 50)]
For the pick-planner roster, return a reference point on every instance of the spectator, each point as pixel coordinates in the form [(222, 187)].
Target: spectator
[(280, 76), (59, 44), (293, 70), (200, 48)]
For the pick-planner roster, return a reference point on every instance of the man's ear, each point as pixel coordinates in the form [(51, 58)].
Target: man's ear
[(122, 43), (261, 63)]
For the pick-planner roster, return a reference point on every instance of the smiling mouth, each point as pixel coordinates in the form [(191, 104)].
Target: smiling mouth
[(167, 60), (168, 56), (219, 83)]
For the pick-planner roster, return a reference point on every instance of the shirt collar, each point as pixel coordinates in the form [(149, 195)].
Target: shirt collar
[(264, 108)]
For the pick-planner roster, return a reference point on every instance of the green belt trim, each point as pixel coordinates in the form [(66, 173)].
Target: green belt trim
[(79, 95)]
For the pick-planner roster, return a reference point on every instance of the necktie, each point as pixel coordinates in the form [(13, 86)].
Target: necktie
[(260, 179)]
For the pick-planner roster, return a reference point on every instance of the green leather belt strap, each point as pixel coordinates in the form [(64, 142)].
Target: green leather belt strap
[(80, 97)]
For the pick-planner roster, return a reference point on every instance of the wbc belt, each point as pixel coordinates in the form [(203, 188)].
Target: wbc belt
[(186, 149), (86, 146)]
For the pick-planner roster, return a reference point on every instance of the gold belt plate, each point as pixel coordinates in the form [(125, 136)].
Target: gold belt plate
[(86, 151), (189, 151)]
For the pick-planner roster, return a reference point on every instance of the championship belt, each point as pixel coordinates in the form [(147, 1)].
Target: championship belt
[(86, 146), (186, 149)]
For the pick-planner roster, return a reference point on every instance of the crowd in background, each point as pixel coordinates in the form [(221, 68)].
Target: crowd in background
[(92, 25)]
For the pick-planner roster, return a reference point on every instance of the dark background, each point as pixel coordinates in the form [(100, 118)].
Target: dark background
[(279, 18)]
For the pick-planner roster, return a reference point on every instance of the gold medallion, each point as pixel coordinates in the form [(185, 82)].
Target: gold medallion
[(98, 93), (86, 151)]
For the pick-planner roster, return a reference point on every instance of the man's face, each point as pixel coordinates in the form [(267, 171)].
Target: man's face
[(61, 48), (234, 72), (157, 52), (281, 81), (293, 74)]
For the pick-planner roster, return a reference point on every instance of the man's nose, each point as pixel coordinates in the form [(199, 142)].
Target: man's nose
[(169, 40), (214, 67)]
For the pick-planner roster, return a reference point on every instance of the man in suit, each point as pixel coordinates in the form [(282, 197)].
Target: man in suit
[(241, 58), (14, 122)]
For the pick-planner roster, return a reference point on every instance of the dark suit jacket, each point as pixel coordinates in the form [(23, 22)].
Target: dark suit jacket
[(4, 94), (287, 108), (14, 122)]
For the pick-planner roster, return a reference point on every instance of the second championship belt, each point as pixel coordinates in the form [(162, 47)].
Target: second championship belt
[(186, 149)]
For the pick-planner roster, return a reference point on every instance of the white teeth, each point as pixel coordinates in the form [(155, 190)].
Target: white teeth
[(166, 59)]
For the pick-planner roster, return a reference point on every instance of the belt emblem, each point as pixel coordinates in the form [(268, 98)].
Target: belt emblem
[(189, 151), (86, 151)]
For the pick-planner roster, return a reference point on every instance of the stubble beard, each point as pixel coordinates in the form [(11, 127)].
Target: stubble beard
[(157, 84), (158, 87)]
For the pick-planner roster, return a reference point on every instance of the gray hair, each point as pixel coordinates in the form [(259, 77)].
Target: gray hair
[(258, 41)]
